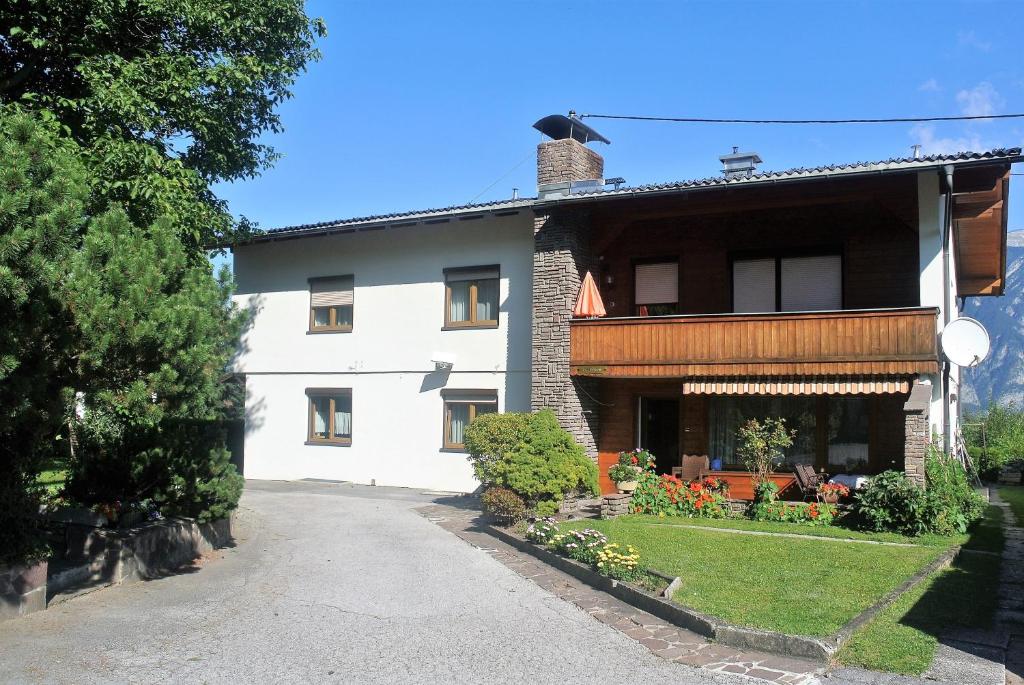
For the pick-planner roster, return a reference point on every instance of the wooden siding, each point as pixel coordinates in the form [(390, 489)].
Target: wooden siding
[(979, 210), (891, 342)]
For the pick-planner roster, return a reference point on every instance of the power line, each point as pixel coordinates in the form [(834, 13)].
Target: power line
[(502, 177), (897, 120)]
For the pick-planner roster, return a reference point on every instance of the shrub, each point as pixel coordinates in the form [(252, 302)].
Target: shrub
[(630, 464), (953, 502), (503, 504), (890, 501), (814, 513), (544, 466), (581, 545), (491, 436), (542, 532), (615, 564), (761, 446), (670, 496), (995, 438)]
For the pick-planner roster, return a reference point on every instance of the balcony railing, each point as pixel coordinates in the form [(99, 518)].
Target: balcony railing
[(869, 341)]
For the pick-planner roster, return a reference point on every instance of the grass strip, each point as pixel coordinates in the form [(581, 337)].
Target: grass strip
[(801, 587)]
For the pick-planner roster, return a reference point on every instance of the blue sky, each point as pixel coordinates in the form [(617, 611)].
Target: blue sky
[(426, 104)]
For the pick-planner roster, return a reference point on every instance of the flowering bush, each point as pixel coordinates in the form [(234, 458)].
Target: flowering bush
[(638, 458), (830, 490), (670, 496), (620, 473), (542, 532), (503, 504), (581, 545), (614, 564), (795, 512)]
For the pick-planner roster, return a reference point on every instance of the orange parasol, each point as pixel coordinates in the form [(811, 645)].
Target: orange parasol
[(589, 304)]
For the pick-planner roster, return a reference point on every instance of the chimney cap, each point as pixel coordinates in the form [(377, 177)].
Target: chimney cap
[(736, 155), (559, 127)]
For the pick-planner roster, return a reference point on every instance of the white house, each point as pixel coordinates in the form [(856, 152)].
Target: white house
[(374, 341)]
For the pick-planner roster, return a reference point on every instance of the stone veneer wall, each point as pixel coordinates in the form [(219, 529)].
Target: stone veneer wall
[(561, 256), (568, 159), (916, 432)]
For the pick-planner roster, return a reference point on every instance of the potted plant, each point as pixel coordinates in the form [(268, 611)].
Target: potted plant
[(830, 493), (625, 473)]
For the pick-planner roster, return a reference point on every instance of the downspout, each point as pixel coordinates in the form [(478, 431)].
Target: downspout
[(947, 235)]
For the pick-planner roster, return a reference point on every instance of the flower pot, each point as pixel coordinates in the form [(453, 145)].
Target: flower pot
[(831, 498), (626, 486)]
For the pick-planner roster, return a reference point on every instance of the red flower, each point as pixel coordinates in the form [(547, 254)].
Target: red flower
[(695, 486)]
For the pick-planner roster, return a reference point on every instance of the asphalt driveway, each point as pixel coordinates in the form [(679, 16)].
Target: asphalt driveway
[(331, 583)]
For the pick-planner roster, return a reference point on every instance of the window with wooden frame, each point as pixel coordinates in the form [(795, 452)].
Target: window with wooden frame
[(471, 297), (330, 416), (656, 288), (331, 301), (788, 283), (460, 408)]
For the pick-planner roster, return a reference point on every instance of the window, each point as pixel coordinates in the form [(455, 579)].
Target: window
[(330, 416), (330, 304), (471, 297), (728, 413), (460, 408), (788, 284), (656, 288), (848, 434)]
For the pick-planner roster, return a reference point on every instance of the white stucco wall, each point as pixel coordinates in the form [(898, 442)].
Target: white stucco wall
[(937, 291), (398, 316)]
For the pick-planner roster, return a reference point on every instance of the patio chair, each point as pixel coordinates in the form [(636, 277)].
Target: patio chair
[(694, 466), (807, 480)]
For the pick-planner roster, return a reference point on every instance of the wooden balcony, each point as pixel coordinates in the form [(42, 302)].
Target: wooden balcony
[(892, 342)]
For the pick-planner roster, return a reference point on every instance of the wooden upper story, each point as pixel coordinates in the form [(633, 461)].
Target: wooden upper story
[(810, 279)]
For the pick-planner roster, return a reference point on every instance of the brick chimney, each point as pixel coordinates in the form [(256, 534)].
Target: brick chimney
[(565, 162)]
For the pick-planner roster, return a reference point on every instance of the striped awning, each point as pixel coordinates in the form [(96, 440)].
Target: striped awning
[(828, 385)]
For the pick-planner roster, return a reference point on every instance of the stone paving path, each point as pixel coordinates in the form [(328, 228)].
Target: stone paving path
[(662, 638), (991, 657)]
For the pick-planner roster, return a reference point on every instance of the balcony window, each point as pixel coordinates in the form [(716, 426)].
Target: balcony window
[(788, 284), (656, 291)]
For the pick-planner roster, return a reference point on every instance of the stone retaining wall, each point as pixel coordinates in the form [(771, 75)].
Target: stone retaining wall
[(617, 504), (22, 590)]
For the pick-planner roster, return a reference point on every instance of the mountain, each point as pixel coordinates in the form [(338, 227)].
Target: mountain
[(1001, 376)]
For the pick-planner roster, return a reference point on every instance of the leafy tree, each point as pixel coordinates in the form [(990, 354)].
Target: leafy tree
[(995, 438), (42, 192), (165, 96), (762, 447)]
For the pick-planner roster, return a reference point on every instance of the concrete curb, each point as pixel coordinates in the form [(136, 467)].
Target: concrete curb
[(819, 649)]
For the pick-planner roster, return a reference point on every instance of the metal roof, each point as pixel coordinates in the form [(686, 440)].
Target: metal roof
[(1008, 155), (396, 219), (507, 207)]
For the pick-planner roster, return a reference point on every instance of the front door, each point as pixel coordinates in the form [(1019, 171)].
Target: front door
[(659, 431)]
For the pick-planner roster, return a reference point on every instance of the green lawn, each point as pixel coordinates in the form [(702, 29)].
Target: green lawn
[(53, 478), (834, 531), (806, 587), (903, 638), (1014, 496)]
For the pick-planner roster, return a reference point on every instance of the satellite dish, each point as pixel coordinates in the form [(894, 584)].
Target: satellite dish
[(965, 342)]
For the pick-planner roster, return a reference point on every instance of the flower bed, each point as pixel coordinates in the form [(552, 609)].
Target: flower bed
[(671, 496), (590, 547)]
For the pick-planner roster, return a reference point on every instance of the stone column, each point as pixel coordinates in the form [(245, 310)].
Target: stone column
[(560, 259), (916, 432)]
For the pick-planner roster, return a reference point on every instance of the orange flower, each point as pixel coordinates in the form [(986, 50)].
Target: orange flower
[(695, 486)]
